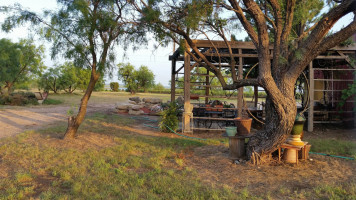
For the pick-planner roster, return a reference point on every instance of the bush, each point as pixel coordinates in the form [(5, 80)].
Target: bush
[(169, 119), (114, 86), (19, 99)]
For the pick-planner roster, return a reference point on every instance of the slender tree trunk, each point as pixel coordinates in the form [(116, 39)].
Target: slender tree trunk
[(74, 122), (278, 124)]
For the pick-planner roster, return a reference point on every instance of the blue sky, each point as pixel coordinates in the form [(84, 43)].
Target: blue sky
[(155, 59)]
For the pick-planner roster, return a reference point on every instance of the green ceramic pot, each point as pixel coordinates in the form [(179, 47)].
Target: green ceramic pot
[(231, 131), (298, 125)]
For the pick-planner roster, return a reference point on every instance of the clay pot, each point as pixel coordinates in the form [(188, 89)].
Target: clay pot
[(243, 125)]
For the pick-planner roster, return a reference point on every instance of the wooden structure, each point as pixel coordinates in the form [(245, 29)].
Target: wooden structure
[(304, 149), (246, 56)]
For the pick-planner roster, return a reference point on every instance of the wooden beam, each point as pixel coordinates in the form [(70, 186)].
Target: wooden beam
[(311, 98), (187, 114), (207, 89), (354, 105), (241, 89), (173, 81), (255, 90)]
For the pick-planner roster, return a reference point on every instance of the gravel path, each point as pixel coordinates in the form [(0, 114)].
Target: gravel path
[(14, 120)]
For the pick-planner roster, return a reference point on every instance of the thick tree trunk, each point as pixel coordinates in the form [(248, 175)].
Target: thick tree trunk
[(277, 127), (74, 122)]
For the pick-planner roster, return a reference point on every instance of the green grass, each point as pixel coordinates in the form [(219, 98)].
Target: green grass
[(129, 167), (111, 161), (50, 101), (334, 147)]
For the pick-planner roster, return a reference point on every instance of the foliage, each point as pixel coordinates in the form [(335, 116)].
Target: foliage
[(19, 62), (169, 120), (145, 78), (158, 86), (134, 80), (72, 77), (19, 99), (127, 74), (348, 93), (49, 80), (114, 86)]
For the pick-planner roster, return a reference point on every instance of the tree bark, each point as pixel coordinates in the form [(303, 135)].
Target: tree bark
[(280, 116), (74, 122)]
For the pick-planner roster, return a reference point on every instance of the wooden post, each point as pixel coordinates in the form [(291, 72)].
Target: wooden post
[(255, 90), (311, 98), (236, 147), (354, 100), (241, 89), (207, 89), (187, 114), (173, 80)]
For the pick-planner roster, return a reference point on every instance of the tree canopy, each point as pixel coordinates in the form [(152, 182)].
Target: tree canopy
[(19, 62)]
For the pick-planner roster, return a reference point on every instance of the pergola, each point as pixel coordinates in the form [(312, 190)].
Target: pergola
[(334, 61)]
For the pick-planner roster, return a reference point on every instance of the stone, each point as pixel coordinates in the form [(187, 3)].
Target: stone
[(136, 112), (136, 107), (122, 111), (132, 102), (122, 106), (135, 99), (152, 100)]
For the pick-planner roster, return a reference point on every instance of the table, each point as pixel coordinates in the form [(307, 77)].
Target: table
[(295, 147)]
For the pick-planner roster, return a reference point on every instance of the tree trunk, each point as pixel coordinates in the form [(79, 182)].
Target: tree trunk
[(7, 89), (74, 122), (277, 127)]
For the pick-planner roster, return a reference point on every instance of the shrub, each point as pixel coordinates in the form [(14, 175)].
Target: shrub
[(169, 119), (114, 86)]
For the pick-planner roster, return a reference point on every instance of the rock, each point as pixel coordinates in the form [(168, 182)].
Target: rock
[(136, 112), (132, 102), (152, 100), (136, 107), (122, 106), (142, 103), (135, 99), (122, 111)]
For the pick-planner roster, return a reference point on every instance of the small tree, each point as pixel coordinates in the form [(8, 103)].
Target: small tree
[(83, 31), (69, 77), (159, 87), (128, 74), (145, 78), (49, 80), (19, 63), (114, 86)]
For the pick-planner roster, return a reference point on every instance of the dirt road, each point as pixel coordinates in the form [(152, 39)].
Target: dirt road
[(15, 119)]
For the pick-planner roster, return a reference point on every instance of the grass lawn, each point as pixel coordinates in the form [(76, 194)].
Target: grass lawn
[(111, 160), (101, 164)]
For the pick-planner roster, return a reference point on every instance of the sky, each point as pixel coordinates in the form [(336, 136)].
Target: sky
[(155, 59)]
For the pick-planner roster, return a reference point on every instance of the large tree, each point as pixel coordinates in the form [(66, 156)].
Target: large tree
[(297, 30), (18, 63), (84, 31)]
